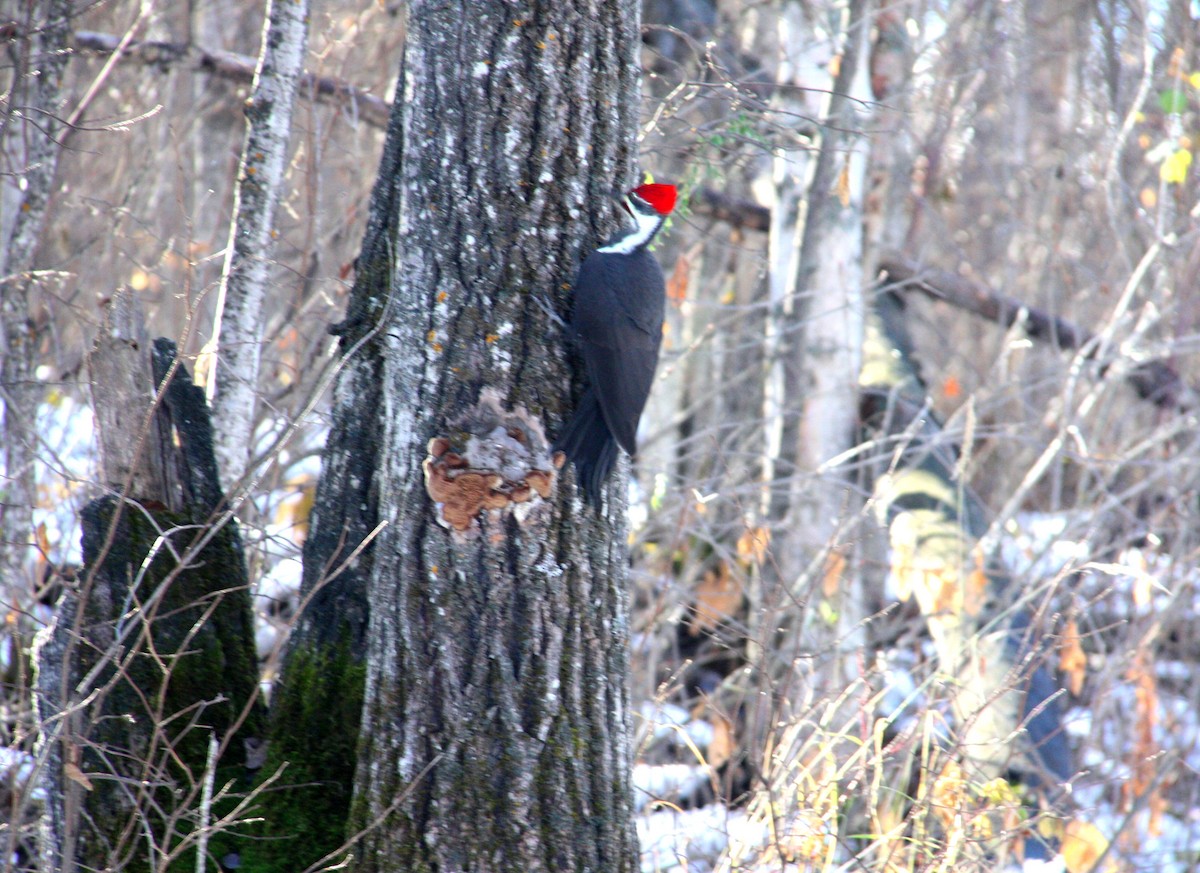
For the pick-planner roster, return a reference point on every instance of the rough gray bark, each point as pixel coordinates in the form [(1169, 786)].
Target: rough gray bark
[(496, 713), (316, 704), (238, 329)]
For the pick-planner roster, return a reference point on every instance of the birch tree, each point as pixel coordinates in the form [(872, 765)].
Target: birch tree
[(814, 338), (31, 125), (245, 277), (495, 726)]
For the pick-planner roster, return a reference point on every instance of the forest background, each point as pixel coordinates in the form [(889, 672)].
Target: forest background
[(1018, 174)]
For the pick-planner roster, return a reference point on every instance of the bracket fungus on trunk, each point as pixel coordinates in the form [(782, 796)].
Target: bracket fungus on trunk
[(493, 460)]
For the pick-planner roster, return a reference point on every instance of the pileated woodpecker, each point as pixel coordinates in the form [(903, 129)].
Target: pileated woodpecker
[(620, 299)]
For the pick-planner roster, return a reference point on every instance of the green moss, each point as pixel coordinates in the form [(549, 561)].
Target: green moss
[(314, 732), (186, 671)]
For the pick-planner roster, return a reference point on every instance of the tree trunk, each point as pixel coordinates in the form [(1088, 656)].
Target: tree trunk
[(495, 731), (30, 130), (245, 277), (810, 588), (147, 684)]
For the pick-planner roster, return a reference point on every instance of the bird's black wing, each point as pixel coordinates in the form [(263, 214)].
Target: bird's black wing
[(618, 320), (621, 379)]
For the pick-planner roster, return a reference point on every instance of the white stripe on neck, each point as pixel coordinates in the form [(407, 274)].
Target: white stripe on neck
[(646, 227)]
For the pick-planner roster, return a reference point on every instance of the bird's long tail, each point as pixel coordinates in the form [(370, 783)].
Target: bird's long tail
[(589, 444)]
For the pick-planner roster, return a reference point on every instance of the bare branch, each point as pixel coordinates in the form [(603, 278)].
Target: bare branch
[(236, 68), (1153, 380)]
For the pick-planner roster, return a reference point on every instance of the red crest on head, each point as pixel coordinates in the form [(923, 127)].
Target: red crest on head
[(661, 197)]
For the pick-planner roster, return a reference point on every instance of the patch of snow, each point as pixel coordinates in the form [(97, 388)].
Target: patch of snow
[(667, 782), (16, 768), (1035, 547), (1057, 864), (673, 724), (688, 841)]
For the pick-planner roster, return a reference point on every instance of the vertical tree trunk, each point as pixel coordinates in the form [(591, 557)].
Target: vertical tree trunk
[(238, 324), (496, 720), (822, 323), (147, 679), (30, 129), (496, 715), (817, 330)]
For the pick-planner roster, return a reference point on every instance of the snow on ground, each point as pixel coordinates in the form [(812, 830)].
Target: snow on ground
[(66, 475), (1140, 581), (674, 840)]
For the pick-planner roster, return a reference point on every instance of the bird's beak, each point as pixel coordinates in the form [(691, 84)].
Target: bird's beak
[(627, 204)]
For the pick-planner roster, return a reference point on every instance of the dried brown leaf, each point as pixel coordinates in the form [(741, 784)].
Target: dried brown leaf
[(718, 598), (1071, 658)]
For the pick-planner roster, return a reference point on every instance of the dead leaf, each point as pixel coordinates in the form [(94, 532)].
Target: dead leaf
[(677, 284), (722, 747), (718, 598), (1082, 846), (1071, 658), (843, 183), (949, 792), (72, 771), (752, 545), (1145, 749), (976, 587), (835, 569)]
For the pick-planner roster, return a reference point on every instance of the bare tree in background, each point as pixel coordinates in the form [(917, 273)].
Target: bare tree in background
[(236, 344), (31, 126), (1033, 158)]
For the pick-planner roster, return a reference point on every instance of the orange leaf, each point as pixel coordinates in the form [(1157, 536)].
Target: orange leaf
[(835, 568), (677, 285), (722, 747), (977, 584), (752, 545), (718, 598), (1145, 749), (1082, 846), (1071, 658), (843, 183)]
